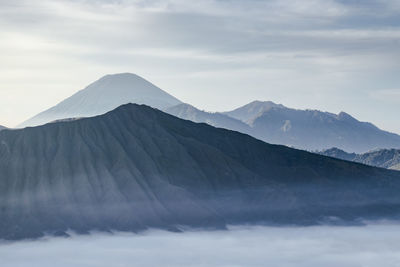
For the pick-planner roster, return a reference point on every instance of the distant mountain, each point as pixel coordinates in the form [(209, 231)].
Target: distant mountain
[(2, 128), (303, 129), (312, 129), (248, 113), (384, 158), (188, 112), (274, 123), (338, 153), (104, 95), (137, 167)]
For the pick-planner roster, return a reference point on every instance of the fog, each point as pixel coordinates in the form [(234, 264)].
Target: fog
[(372, 245)]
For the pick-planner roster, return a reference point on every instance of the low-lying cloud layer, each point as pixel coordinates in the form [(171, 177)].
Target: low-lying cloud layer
[(373, 245)]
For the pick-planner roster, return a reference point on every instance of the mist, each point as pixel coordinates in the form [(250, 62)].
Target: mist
[(371, 245)]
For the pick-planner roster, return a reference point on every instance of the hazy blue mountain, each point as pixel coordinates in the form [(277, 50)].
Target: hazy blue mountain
[(338, 153), (384, 158), (137, 167), (312, 129), (2, 128), (248, 113), (304, 129), (188, 112), (104, 95)]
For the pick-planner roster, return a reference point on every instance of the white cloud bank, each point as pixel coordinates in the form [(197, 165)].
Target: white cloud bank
[(370, 246)]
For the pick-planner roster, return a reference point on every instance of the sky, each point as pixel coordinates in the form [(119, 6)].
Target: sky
[(331, 55), (369, 246)]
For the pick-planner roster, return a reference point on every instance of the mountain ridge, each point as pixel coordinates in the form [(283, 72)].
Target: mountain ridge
[(315, 130), (136, 167), (383, 158)]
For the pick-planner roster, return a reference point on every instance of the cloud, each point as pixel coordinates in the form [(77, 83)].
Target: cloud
[(373, 245), (210, 26)]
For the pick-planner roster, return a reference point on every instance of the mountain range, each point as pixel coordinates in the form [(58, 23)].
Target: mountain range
[(137, 167), (303, 129), (274, 123), (384, 158)]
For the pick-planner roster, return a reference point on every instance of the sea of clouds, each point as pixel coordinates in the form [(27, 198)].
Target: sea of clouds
[(372, 245)]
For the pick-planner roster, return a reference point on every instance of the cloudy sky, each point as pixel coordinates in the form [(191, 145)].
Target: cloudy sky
[(331, 55), (369, 246)]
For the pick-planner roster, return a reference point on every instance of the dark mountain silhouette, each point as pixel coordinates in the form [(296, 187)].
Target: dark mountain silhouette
[(136, 167), (384, 158), (2, 128), (104, 95)]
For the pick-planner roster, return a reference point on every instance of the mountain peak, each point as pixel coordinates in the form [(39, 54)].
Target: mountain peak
[(338, 153), (250, 111), (105, 94), (118, 76), (343, 116), (259, 102)]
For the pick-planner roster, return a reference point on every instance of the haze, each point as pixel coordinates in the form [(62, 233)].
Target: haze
[(323, 54)]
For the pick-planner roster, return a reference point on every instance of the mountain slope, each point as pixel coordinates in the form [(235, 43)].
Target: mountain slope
[(136, 167), (2, 128), (384, 158), (248, 113), (312, 129), (188, 112), (396, 167), (104, 95)]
